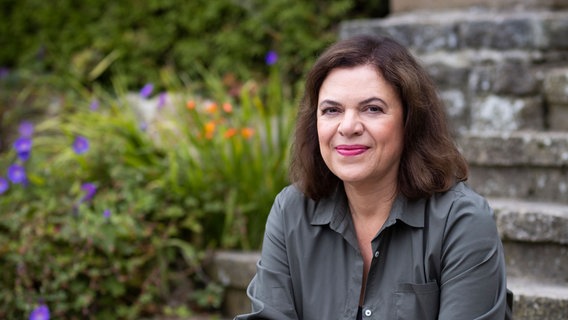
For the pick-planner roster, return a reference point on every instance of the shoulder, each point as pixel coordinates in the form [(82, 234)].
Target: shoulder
[(462, 210), (295, 211), (461, 199), (291, 201), (290, 196), (291, 206)]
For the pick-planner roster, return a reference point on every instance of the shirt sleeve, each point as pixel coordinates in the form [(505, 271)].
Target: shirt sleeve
[(270, 291), (473, 280)]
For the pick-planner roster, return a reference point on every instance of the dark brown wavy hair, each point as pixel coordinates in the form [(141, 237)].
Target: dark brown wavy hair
[(430, 160)]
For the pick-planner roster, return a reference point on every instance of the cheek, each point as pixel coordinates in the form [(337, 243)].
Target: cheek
[(323, 137), (325, 130), (324, 140), (398, 139), (321, 132)]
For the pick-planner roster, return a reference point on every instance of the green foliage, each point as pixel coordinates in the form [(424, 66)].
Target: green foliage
[(27, 95), (198, 173), (96, 40), (173, 178)]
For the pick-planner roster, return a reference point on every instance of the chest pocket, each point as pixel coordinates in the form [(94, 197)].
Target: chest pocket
[(416, 301), (419, 300)]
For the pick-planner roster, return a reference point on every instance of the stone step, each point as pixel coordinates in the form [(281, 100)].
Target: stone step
[(527, 221), (453, 30), (527, 165), (234, 270), (535, 300), (518, 148), (414, 5), (535, 239), (538, 262)]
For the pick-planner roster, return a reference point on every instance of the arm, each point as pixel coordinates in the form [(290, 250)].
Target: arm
[(270, 291), (473, 280)]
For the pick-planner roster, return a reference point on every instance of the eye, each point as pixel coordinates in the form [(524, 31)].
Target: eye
[(330, 110), (374, 109)]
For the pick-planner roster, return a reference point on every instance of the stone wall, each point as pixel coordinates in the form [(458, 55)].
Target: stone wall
[(496, 70), (398, 6)]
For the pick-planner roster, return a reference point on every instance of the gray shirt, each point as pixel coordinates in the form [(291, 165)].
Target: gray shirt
[(436, 258)]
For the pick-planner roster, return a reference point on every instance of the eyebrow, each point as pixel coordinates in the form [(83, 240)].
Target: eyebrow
[(366, 101), (372, 99)]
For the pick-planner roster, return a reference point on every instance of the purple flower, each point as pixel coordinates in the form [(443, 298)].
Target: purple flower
[(146, 90), (94, 104), (90, 190), (4, 72), (3, 185), (26, 129), (271, 58), (17, 174), (162, 98), (106, 214), (40, 313), (23, 147), (80, 145)]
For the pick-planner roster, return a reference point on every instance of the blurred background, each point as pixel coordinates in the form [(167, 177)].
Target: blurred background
[(142, 142), (138, 137)]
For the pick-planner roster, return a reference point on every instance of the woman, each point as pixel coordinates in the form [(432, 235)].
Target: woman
[(378, 223)]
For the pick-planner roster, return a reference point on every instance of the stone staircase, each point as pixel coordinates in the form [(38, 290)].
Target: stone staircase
[(526, 181), (503, 75)]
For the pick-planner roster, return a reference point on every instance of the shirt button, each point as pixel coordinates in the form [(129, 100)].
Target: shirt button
[(376, 254), (368, 313)]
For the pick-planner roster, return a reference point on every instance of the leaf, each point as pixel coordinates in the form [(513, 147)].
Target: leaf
[(104, 64), (189, 252), (113, 287)]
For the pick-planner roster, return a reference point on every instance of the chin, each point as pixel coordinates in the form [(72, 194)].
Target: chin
[(351, 178)]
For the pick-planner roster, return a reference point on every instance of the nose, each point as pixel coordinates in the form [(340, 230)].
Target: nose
[(350, 124)]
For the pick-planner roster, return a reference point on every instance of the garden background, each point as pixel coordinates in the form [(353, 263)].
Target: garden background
[(137, 137)]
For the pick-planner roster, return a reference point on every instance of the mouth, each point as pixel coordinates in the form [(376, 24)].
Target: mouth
[(351, 150)]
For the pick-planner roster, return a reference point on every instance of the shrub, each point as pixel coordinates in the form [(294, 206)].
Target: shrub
[(96, 40), (109, 206)]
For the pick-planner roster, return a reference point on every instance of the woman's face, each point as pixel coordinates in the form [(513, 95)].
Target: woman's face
[(360, 126)]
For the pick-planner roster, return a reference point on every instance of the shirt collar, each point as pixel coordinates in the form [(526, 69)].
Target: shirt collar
[(334, 209), (410, 212)]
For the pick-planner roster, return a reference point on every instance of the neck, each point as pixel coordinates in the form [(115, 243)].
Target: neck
[(370, 203)]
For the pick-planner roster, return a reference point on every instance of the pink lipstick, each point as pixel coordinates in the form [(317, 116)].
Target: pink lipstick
[(351, 150)]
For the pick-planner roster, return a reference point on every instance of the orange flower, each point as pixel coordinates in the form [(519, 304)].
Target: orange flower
[(231, 132), (209, 130), (190, 104), (211, 108), (227, 107), (247, 132)]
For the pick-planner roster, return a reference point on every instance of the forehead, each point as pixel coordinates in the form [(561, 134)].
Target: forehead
[(354, 82)]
